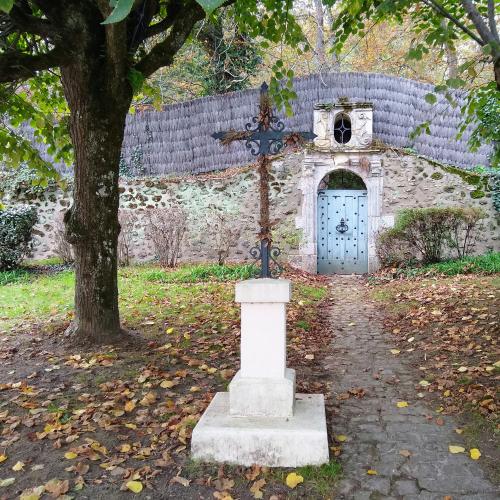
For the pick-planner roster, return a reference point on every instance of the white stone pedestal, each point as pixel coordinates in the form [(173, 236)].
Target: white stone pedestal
[(261, 420)]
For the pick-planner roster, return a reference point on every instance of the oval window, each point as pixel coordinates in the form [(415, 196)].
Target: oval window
[(342, 128)]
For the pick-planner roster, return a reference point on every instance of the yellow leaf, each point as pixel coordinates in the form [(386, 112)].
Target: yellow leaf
[(70, 455), (167, 384), (187, 336), (424, 383), (129, 405), (475, 454), (195, 388), (456, 449), (395, 351), (125, 448), (3, 458), (7, 482), (462, 369), (446, 393), (401, 404), (170, 330), (459, 431), (18, 466), (371, 472), (32, 493), (293, 479), (130, 426), (135, 486), (341, 438)]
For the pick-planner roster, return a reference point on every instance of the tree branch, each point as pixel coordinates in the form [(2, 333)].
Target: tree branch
[(25, 22), (478, 21), (163, 53), (492, 20), (433, 4), (17, 66)]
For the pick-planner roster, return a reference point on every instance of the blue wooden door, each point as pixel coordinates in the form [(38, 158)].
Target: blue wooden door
[(342, 231)]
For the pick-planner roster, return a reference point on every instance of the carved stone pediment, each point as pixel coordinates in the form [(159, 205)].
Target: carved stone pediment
[(357, 115)]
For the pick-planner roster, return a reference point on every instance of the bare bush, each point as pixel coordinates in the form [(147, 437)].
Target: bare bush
[(166, 227), (62, 248), (393, 250), (465, 229), (127, 221), (221, 231)]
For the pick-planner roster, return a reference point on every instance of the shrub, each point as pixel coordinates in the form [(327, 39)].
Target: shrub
[(427, 234), (16, 231), (62, 248), (220, 228), (392, 249), (127, 221), (166, 228)]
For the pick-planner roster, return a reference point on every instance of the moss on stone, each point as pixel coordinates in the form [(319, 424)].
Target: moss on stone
[(477, 193), (470, 178), (449, 189), (437, 176)]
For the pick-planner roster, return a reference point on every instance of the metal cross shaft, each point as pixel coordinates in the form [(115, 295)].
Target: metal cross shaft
[(264, 136)]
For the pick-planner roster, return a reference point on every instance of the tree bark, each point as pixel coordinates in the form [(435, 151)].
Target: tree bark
[(99, 96)]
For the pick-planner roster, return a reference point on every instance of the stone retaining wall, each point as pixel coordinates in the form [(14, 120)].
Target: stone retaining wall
[(407, 180)]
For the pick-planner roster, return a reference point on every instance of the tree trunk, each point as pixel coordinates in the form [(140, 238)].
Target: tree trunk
[(320, 35), (98, 103)]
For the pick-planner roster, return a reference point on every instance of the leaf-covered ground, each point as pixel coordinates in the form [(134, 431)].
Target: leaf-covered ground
[(448, 328), (116, 422)]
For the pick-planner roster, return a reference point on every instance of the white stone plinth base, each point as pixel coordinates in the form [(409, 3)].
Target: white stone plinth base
[(262, 397), (273, 442)]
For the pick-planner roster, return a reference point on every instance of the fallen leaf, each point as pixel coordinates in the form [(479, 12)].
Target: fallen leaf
[(3, 458), (341, 438), (57, 487), (18, 466), (371, 472), (459, 431), (424, 383), (402, 404), (167, 384), (7, 482), (309, 356), (405, 453), (456, 449), (129, 405), (395, 351), (293, 479), (135, 486), (462, 369), (256, 487), (475, 454), (170, 330), (70, 455), (181, 480), (222, 495), (223, 484), (32, 493)]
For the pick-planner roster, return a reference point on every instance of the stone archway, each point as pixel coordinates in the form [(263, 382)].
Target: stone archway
[(316, 165)]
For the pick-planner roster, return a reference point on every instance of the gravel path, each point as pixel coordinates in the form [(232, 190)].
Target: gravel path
[(405, 446)]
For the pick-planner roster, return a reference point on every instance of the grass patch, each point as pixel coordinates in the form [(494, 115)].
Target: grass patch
[(14, 276), (320, 479), (203, 272), (482, 264)]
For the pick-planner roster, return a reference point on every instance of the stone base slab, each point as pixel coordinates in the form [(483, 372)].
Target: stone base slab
[(262, 397), (273, 442)]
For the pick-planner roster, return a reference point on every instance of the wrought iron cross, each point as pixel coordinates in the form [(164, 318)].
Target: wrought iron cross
[(264, 136)]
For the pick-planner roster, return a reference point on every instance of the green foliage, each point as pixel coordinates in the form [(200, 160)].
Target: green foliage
[(135, 167), (207, 272), (23, 181), (488, 263), (16, 230), (426, 233), (121, 9), (6, 5), (483, 110), (39, 103), (438, 25), (13, 276)]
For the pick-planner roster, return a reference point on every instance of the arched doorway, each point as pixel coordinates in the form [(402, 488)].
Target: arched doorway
[(342, 224)]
